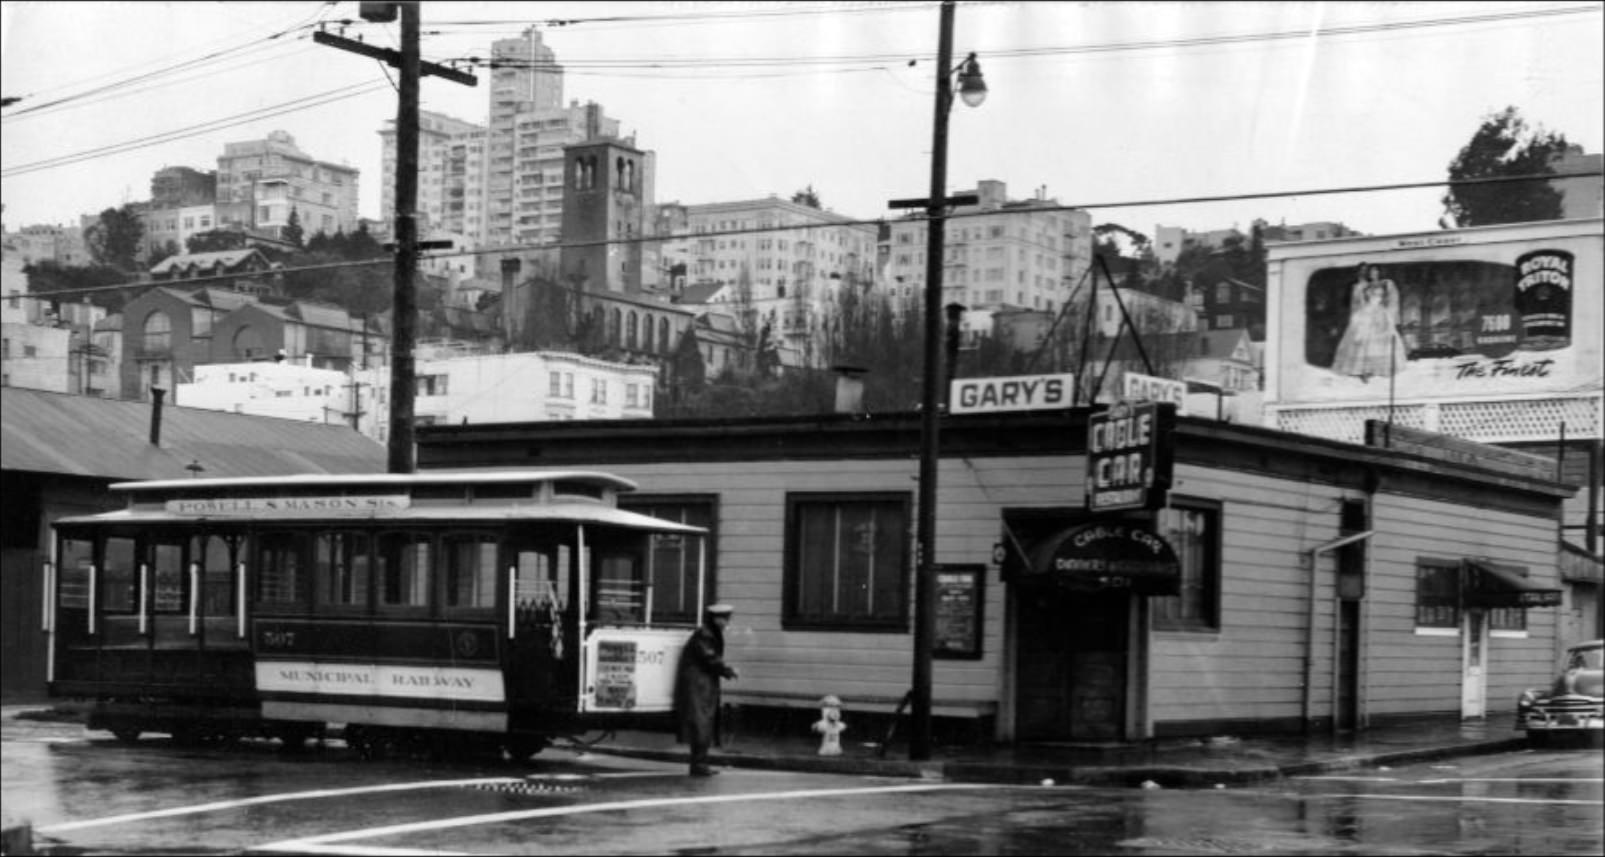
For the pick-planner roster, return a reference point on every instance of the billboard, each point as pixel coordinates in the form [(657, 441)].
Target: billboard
[(1491, 312)]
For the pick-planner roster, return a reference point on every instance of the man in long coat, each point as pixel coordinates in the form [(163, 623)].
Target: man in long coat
[(696, 686)]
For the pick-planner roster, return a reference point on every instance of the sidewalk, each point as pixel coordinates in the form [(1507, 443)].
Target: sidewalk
[(1177, 763)]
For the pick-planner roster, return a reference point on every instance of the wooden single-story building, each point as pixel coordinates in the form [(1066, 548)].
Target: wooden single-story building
[(1283, 582)]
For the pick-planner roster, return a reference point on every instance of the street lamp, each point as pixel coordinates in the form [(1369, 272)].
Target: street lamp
[(973, 90)]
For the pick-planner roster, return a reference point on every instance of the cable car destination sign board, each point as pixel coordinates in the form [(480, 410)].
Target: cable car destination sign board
[(1129, 454)]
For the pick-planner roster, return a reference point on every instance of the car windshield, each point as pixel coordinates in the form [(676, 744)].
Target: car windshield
[(1588, 659)]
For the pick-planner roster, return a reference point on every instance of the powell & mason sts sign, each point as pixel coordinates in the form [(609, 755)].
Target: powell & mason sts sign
[(1129, 456)]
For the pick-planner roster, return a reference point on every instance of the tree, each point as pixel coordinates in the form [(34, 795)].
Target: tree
[(292, 229), (362, 245), (166, 251), (215, 241), (116, 237), (1504, 146), (807, 197)]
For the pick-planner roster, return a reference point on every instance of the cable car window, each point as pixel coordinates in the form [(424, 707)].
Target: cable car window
[(673, 560), (470, 570), (342, 560), (77, 555), (621, 592), (217, 575), (403, 566), (119, 578), (571, 488), (281, 568), (167, 575)]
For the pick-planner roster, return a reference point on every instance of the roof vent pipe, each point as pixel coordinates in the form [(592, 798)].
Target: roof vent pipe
[(849, 389), (156, 396)]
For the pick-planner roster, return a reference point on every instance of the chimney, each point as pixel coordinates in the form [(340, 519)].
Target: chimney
[(849, 388), (156, 395)]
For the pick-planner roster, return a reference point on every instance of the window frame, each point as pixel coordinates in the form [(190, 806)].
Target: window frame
[(445, 571), (656, 505), (1451, 568), (302, 574), (1208, 620), (900, 621)]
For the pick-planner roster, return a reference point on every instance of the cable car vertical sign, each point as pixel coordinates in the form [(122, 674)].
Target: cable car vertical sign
[(1129, 456)]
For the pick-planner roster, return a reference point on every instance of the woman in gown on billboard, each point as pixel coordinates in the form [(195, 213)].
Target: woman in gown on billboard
[(1371, 344)]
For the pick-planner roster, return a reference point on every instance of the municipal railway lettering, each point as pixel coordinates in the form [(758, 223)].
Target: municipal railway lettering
[(413, 680)]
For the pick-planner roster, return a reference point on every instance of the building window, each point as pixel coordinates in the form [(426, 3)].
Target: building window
[(847, 561), (555, 382), (1437, 593), (674, 558), (1192, 527), (431, 385), (158, 332), (1507, 619), (598, 391)]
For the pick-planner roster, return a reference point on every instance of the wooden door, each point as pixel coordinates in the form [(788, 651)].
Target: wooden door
[(1071, 655)]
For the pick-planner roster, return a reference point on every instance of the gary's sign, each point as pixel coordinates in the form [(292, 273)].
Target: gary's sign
[(1129, 456), (1011, 393)]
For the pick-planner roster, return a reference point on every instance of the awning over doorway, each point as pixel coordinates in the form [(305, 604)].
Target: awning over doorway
[(1490, 584), (1106, 556)]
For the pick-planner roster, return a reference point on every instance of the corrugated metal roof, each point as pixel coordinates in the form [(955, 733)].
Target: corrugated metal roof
[(227, 258), (109, 438)]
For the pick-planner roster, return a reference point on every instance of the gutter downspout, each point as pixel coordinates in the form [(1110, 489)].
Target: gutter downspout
[(1309, 629)]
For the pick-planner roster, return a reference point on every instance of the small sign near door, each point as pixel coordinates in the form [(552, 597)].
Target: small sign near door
[(958, 611)]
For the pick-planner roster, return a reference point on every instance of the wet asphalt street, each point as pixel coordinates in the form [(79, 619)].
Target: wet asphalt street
[(86, 793)]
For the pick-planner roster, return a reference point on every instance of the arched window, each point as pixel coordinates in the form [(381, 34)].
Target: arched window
[(613, 326), (618, 169), (629, 331), (158, 332), (579, 173), (663, 335), (646, 334)]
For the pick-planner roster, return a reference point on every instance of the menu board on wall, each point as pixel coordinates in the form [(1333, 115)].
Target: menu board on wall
[(958, 611)]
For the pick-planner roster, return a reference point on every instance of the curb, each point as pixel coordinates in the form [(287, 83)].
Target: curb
[(1165, 776)]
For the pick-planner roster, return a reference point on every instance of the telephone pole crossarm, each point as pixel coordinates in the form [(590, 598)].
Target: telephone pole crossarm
[(393, 58)]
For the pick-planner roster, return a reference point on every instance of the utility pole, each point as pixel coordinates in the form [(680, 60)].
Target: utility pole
[(404, 304), (973, 92)]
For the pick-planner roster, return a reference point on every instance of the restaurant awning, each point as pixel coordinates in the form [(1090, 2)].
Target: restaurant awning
[(1490, 584), (1099, 556)]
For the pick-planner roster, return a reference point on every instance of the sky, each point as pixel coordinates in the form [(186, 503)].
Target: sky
[(1094, 105)]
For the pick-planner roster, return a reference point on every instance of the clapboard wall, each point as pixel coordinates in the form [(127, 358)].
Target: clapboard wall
[(1280, 496)]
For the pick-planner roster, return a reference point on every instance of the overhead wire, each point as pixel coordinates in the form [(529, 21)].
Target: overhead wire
[(125, 81), (669, 62), (294, 105), (1038, 208)]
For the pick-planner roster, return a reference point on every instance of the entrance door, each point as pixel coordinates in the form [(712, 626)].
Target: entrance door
[(1474, 680), (1071, 653)]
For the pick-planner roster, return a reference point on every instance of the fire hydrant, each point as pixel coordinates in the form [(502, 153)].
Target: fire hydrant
[(830, 726)]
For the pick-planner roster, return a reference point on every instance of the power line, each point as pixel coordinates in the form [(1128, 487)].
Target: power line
[(845, 222), (291, 106), (670, 62), (186, 65), (210, 73)]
